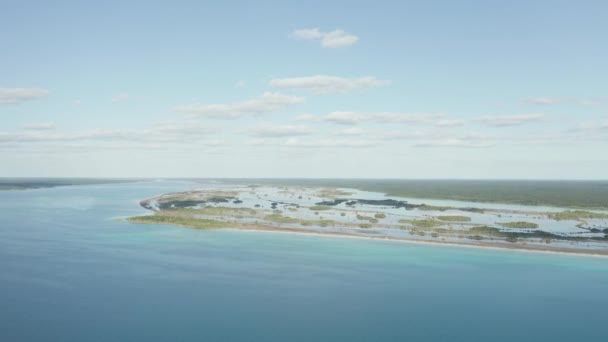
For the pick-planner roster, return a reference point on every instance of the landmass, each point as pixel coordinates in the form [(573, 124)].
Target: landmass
[(355, 213), (39, 183), (589, 194)]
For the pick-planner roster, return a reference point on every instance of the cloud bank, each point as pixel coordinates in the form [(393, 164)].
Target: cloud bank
[(353, 118), (577, 101), (272, 131), (20, 95), (267, 103), (322, 84), (334, 39), (511, 120)]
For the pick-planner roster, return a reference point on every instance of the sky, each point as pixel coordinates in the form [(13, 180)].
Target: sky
[(314, 89)]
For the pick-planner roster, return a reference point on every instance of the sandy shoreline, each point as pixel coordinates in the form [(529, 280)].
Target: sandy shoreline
[(479, 244), (484, 245)]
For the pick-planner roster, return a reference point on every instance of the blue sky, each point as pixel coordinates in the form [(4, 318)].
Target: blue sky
[(405, 89)]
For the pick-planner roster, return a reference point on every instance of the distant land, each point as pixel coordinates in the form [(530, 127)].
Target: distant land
[(592, 194), (559, 193), (38, 183)]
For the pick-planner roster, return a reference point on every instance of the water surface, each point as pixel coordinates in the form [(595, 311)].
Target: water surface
[(70, 271)]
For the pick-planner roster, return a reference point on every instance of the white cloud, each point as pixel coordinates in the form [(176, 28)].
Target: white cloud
[(409, 135), (431, 135), (352, 118), (315, 143), (294, 142), (578, 101), (542, 101), (334, 39), (346, 118), (278, 131), (511, 120), (322, 84), (337, 39), (454, 143), (20, 95), (178, 131), (349, 131), (175, 132), (38, 136), (449, 123), (120, 98), (267, 103), (41, 126), (421, 118)]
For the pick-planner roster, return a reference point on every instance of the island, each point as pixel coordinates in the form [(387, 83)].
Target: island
[(375, 215)]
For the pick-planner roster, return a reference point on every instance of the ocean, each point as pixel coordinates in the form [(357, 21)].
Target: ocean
[(72, 270)]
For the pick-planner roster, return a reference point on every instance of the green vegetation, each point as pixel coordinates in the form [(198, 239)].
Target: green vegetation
[(576, 215), (518, 224), (332, 193), (179, 204), (180, 221), (216, 211), (473, 210), (569, 194), (455, 218), (319, 207), (426, 207), (484, 230), (278, 218), (428, 223), (325, 223), (443, 225), (38, 183), (219, 211), (367, 218)]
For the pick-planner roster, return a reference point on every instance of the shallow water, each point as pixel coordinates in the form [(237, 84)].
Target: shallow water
[(463, 204), (347, 217), (70, 271)]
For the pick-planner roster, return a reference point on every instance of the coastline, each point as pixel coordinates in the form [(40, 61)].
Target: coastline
[(247, 209), (483, 245)]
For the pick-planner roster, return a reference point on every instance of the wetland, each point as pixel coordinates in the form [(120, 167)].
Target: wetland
[(357, 213)]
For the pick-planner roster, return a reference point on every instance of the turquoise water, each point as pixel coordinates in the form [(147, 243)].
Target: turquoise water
[(69, 271)]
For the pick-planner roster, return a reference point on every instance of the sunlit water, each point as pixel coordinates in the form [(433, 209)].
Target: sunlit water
[(70, 271)]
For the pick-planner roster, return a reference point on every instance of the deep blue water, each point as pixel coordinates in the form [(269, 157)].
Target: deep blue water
[(69, 271)]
